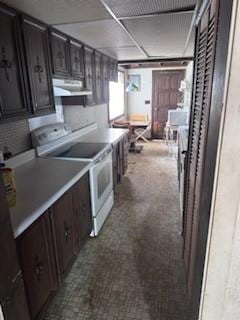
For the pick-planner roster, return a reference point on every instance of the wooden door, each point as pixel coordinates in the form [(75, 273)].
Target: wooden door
[(210, 66), (77, 64), (165, 96), (38, 264), (60, 54), (82, 211), (98, 77), (89, 74), (36, 43), (12, 293), (105, 79), (62, 217), (12, 67)]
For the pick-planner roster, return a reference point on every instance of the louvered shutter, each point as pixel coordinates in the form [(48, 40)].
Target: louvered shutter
[(206, 43)]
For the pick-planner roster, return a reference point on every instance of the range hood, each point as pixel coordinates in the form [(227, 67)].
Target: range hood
[(66, 88)]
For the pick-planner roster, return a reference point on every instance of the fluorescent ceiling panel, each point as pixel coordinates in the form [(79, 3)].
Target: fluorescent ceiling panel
[(98, 34), (164, 35), (128, 8), (61, 11)]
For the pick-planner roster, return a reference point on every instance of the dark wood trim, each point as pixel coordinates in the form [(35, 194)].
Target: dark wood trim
[(152, 59), (225, 12)]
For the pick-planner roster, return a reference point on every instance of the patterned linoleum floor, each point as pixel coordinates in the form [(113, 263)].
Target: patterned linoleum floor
[(133, 270)]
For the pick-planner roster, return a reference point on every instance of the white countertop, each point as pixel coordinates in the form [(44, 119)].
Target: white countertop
[(108, 135), (41, 182)]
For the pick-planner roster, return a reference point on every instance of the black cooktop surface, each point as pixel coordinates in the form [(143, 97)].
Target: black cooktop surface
[(78, 150)]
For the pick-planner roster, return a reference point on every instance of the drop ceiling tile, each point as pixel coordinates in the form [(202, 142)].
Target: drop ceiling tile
[(161, 35), (124, 53), (98, 34), (61, 11), (126, 8)]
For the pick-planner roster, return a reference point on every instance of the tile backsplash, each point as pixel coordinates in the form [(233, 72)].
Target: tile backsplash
[(15, 136)]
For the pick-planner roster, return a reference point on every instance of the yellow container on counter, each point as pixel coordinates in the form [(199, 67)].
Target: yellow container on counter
[(10, 186)]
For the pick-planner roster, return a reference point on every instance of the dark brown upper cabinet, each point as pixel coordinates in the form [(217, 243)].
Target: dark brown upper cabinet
[(37, 51), (98, 77), (89, 74), (105, 79), (60, 53), (113, 70), (13, 94), (77, 61)]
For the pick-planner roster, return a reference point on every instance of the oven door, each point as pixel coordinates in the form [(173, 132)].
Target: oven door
[(101, 183)]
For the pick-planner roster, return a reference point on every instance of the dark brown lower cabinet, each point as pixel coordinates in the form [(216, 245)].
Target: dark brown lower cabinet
[(120, 160), (62, 217), (48, 248), (38, 264), (82, 212), (12, 293), (16, 307)]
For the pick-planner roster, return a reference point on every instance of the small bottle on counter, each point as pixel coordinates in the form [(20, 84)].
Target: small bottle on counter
[(9, 182)]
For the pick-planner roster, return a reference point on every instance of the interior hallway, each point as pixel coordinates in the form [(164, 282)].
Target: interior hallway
[(133, 270)]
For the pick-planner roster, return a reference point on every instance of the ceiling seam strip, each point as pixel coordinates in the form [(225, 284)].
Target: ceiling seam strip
[(124, 28), (157, 14)]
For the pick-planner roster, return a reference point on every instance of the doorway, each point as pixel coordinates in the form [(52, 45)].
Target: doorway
[(165, 96)]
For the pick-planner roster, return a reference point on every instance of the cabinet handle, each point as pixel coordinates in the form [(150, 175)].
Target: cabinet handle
[(38, 69), (5, 64), (66, 231), (39, 267)]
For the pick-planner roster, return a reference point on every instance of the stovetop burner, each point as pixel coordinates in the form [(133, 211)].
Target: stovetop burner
[(83, 150)]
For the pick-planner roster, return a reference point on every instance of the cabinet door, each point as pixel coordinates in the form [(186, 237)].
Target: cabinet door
[(62, 213), (60, 53), (125, 153), (37, 261), (113, 72), (12, 293), (82, 211), (16, 306), (98, 77), (76, 49), (12, 67), (89, 74), (115, 166), (105, 80), (36, 42)]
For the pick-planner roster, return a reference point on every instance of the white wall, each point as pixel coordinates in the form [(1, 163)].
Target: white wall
[(136, 100), (221, 285)]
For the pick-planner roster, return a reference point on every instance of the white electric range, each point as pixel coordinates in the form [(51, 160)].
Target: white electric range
[(51, 141)]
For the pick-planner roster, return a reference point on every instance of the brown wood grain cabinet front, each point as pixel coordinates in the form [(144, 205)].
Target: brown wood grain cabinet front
[(62, 212), (89, 74), (60, 54), (38, 264), (105, 79), (37, 51), (120, 160), (12, 67), (98, 76), (82, 212), (50, 245), (77, 61)]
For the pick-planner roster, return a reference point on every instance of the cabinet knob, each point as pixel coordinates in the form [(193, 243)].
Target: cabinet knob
[(39, 268), (67, 232)]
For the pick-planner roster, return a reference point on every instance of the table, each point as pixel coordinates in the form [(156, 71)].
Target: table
[(144, 125)]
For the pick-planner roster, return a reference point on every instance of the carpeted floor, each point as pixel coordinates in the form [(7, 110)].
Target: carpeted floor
[(133, 270)]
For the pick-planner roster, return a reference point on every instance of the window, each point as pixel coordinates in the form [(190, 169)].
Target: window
[(116, 97)]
